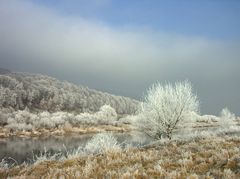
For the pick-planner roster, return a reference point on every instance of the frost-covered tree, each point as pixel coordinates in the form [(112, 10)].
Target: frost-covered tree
[(165, 107), (40, 92)]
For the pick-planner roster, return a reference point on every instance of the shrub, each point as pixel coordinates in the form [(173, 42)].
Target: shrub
[(84, 118), (164, 107), (20, 126), (101, 143), (3, 118), (226, 118), (106, 114), (24, 119)]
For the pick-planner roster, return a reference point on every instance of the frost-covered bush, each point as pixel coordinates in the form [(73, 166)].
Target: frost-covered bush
[(20, 126), (3, 118), (165, 107), (207, 119), (84, 118), (23, 116), (101, 143), (21, 120), (59, 118), (45, 156), (24, 119), (106, 114), (51, 120), (43, 120), (4, 164), (129, 119), (189, 122), (227, 118), (225, 113), (45, 123)]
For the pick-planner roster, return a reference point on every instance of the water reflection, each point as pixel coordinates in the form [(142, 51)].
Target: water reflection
[(23, 149)]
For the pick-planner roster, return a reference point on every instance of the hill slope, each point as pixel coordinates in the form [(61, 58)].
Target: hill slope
[(41, 92), (4, 71)]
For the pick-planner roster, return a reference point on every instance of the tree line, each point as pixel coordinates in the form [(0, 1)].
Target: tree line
[(43, 93)]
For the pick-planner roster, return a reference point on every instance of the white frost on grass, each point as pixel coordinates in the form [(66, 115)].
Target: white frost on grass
[(4, 164), (102, 142), (45, 156)]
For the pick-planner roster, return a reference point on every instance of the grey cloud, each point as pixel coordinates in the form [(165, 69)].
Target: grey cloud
[(122, 61)]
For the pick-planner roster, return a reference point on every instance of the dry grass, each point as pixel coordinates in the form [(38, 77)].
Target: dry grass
[(205, 158)]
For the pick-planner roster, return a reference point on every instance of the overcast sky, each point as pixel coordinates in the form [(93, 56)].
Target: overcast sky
[(123, 46)]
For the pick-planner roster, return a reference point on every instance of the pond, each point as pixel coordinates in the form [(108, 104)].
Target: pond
[(19, 150)]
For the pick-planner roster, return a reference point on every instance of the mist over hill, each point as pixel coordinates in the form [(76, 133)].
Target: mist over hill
[(38, 92), (4, 71)]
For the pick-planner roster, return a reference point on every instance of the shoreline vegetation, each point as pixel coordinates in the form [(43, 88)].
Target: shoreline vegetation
[(191, 154), (211, 157), (80, 130), (65, 131)]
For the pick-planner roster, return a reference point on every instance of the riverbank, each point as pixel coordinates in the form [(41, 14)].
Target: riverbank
[(88, 129), (213, 157), (65, 130)]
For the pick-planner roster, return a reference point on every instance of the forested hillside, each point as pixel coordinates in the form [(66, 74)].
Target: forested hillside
[(40, 92)]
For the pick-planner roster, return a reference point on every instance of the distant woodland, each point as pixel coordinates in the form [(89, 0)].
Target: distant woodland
[(43, 93)]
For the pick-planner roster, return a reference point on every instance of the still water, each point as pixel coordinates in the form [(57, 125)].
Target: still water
[(19, 150)]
